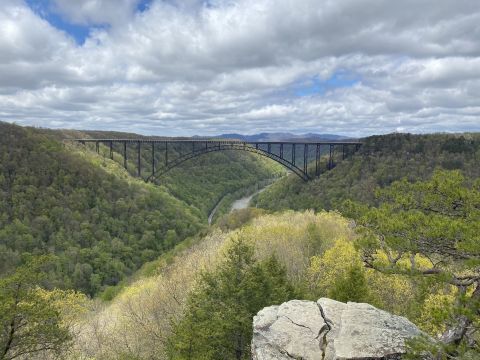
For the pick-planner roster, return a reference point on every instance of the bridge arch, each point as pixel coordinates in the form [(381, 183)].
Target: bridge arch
[(230, 147), (273, 150)]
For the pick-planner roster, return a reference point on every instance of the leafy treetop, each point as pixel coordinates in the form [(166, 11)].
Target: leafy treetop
[(438, 219)]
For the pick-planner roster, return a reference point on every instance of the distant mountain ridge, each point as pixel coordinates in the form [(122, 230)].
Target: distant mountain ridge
[(281, 136)]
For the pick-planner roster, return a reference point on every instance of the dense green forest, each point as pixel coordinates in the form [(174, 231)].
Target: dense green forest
[(402, 234), (380, 161), (197, 302), (101, 223), (200, 182)]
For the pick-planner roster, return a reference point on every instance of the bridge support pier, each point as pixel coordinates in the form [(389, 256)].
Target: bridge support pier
[(305, 159), (125, 154), (330, 157), (166, 153), (139, 159), (153, 158)]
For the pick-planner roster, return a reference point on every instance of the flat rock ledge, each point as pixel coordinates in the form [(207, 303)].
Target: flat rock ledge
[(329, 330)]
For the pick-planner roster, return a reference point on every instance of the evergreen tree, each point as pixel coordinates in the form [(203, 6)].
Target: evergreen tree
[(437, 220), (352, 287), (217, 323)]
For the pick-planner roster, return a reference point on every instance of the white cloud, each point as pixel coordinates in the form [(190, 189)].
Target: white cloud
[(270, 112), (96, 12), (25, 38), (183, 67)]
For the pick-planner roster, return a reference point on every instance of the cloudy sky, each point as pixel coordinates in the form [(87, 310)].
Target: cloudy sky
[(184, 67)]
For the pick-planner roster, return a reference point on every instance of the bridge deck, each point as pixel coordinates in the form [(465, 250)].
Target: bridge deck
[(222, 141)]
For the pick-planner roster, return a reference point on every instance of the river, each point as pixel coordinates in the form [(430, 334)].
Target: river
[(238, 204), (244, 202)]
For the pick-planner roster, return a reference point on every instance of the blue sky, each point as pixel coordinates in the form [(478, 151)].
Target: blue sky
[(79, 32), (317, 86), (44, 9)]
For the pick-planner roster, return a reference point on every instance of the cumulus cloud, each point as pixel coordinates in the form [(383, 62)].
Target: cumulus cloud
[(205, 67), (97, 12)]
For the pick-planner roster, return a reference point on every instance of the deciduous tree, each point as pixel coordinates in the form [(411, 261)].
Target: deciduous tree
[(29, 321)]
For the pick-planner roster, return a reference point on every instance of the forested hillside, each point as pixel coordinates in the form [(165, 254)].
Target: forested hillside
[(380, 161), (101, 223), (199, 301), (412, 250), (150, 319), (200, 182)]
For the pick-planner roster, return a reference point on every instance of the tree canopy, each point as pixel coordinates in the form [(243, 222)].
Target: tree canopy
[(438, 220), (380, 161), (29, 321), (218, 320), (101, 223)]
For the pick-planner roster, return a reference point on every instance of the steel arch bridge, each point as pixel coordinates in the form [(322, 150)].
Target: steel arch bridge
[(166, 154)]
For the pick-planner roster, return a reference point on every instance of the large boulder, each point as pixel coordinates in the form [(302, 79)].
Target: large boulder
[(329, 330)]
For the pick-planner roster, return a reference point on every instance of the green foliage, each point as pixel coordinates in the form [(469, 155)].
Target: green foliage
[(351, 287), (29, 321), (101, 227), (460, 144), (338, 272), (380, 161), (420, 241), (206, 179), (238, 218), (101, 223), (438, 220), (139, 319), (218, 320), (201, 181)]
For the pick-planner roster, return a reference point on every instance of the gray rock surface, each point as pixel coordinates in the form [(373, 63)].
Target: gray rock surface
[(330, 330)]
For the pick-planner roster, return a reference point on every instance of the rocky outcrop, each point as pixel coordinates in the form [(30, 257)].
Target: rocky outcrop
[(329, 330)]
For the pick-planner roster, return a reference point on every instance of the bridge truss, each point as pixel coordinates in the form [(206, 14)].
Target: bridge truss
[(306, 159)]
